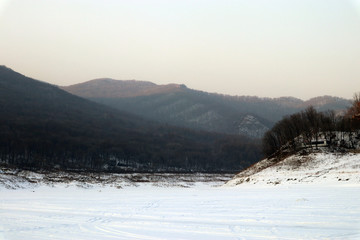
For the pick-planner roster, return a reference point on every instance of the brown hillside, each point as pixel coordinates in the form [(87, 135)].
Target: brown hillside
[(110, 88)]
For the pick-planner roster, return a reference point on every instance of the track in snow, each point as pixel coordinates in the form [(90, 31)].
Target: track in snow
[(148, 212)]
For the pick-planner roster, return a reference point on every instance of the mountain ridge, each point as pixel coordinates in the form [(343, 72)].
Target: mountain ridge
[(42, 126), (175, 104), (77, 89), (111, 88)]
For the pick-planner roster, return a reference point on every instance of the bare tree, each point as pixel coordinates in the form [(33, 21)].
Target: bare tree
[(354, 112)]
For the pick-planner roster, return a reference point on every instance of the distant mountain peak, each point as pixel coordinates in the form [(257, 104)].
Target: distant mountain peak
[(322, 100), (111, 88)]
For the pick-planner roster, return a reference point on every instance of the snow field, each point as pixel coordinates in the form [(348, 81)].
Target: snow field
[(200, 212)]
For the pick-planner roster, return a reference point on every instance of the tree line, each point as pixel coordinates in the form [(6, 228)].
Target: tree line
[(52, 146), (306, 127)]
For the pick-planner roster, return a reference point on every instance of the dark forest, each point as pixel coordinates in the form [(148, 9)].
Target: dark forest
[(44, 127)]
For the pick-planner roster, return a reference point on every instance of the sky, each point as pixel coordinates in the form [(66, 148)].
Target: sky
[(267, 48)]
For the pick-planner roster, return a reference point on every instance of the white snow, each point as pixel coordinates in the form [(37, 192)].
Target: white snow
[(322, 203), (200, 212), (314, 168)]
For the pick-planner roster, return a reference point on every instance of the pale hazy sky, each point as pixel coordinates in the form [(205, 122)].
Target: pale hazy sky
[(269, 48)]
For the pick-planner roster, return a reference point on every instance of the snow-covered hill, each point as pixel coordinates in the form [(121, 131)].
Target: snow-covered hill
[(317, 167)]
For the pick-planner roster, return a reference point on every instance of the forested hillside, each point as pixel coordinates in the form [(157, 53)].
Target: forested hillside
[(178, 105), (309, 147), (42, 126), (311, 128)]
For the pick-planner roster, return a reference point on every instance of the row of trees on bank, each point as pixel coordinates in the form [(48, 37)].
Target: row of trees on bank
[(300, 129)]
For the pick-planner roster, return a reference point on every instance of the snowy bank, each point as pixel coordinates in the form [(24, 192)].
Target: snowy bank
[(324, 168), (22, 179)]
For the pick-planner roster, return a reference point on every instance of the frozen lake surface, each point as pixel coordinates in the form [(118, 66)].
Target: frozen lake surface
[(198, 212)]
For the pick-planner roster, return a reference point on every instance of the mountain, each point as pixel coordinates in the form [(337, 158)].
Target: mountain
[(110, 88), (44, 127), (178, 105), (172, 104)]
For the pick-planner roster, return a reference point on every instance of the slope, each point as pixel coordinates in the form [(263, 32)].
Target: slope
[(177, 105), (42, 126), (173, 104), (336, 163), (323, 167)]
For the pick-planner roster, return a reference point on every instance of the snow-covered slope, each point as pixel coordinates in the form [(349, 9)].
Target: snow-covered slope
[(321, 167), (251, 126)]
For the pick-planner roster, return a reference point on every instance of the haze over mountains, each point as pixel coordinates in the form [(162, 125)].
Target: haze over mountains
[(147, 127), (178, 105), (44, 127)]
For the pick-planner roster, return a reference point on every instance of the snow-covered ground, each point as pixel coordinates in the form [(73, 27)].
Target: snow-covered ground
[(22, 179), (320, 168), (314, 196), (201, 211)]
